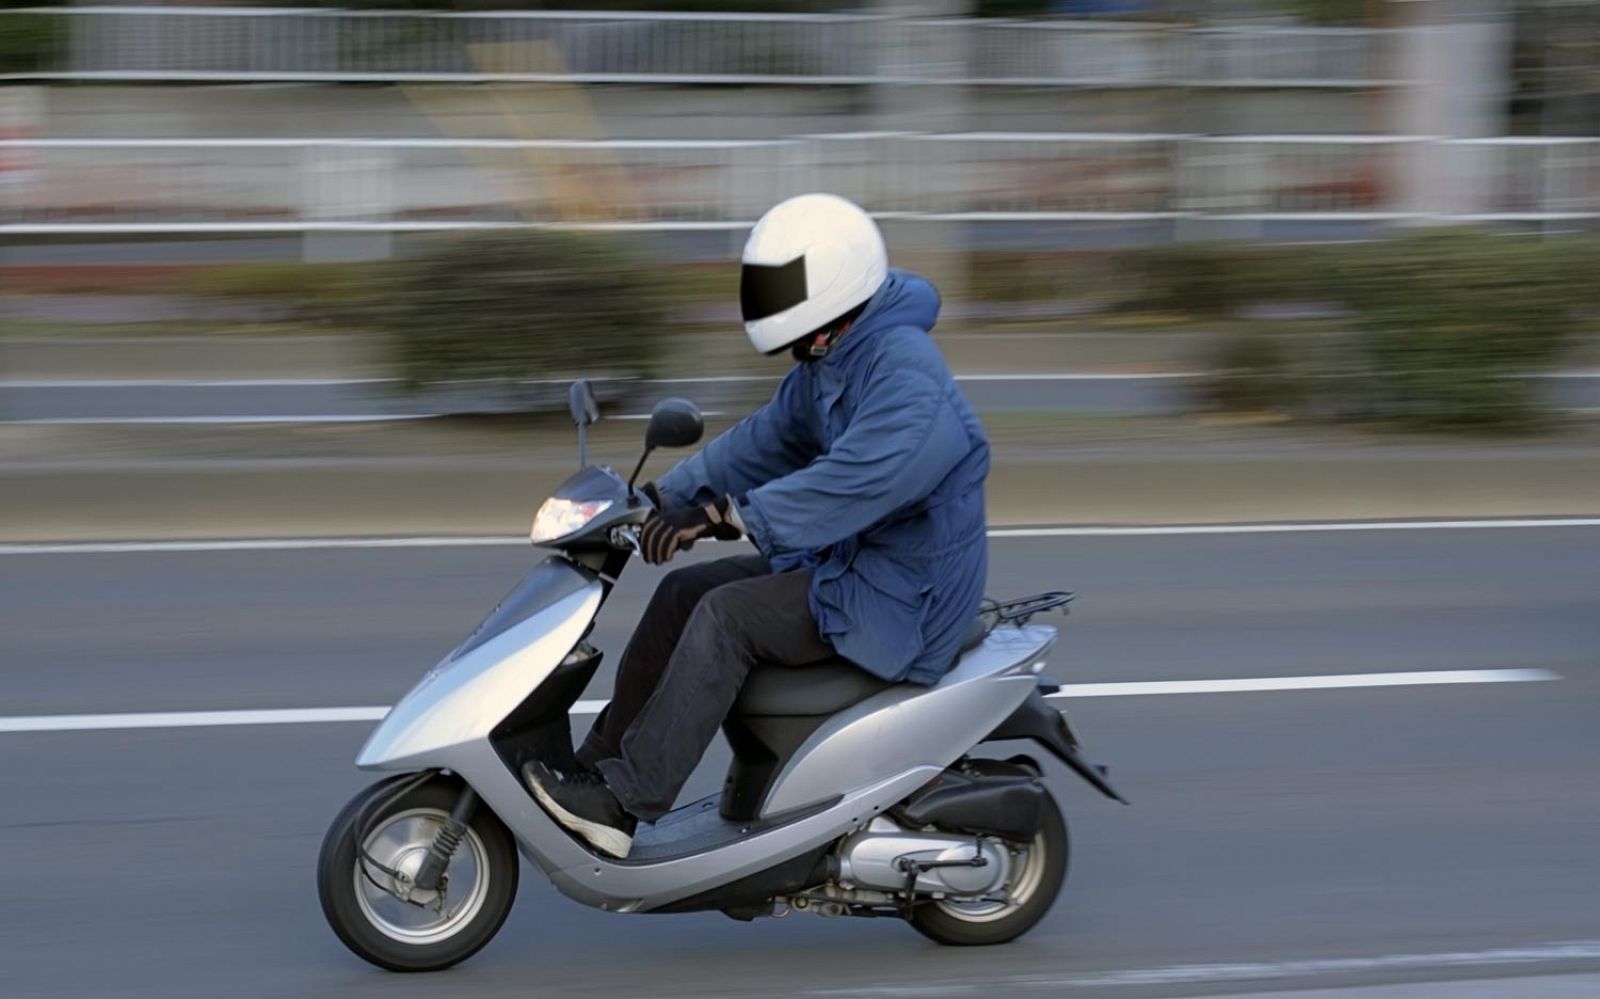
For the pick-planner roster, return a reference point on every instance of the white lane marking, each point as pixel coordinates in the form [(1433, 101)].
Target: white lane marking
[(209, 383), (262, 545), (646, 416), (301, 716), (495, 541), (180, 383), (1290, 528), (118, 421), (187, 719), (1083, 376), (207, 719), (1192, 974), (1335, 681)]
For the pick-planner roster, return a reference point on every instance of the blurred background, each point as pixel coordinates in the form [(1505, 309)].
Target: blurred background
[(1283, 317), (1345, 211)]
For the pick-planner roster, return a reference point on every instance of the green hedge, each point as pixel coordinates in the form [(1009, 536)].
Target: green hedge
[(30, 42), (1445, 325), (518, 306), (318, 294), (1214, 280)]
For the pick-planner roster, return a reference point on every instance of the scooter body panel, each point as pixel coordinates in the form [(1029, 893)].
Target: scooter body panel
[(445, 720), (906, 726)]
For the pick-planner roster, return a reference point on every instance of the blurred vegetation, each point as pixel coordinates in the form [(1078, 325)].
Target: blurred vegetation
[(1012, 8), (1428, 329), (1444, 327), (671, 6), (330, 294), (513, 306), (1353, 13), (1201, 279), (30, 42)]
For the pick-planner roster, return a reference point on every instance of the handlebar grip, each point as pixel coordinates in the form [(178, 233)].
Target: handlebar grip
[(627, 536)]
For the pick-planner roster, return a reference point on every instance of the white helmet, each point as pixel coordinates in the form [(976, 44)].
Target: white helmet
[(808, 261)]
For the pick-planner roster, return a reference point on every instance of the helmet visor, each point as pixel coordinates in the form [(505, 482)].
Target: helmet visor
[(766, 290)]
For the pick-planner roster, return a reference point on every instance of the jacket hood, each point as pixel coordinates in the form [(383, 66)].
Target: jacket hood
[(904, 300)]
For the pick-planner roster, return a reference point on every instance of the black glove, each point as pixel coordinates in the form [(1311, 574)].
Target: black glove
[(666, 534), (653, 494)]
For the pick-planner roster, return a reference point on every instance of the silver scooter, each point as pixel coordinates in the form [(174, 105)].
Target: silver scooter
[(845, 796)]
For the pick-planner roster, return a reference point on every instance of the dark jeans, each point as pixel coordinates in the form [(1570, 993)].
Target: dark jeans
[(706, 626)]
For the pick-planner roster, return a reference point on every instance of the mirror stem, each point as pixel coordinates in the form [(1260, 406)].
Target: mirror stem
[(636, 470), (583, 446)]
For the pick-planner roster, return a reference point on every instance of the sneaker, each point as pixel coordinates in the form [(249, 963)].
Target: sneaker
[(582, 803)]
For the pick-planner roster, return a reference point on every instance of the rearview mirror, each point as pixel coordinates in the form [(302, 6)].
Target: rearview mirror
[(674, 423), (581, 404)]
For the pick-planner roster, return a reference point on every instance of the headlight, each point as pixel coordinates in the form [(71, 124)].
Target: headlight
[(558, 518)]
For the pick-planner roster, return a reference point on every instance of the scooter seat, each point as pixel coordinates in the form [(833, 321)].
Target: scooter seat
[(819, 688)]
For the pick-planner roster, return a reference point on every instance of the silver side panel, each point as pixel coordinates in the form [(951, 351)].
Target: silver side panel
[(907, 727), (446, 718)]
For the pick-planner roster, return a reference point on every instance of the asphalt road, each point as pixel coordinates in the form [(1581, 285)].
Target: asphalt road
[(1277, 840)]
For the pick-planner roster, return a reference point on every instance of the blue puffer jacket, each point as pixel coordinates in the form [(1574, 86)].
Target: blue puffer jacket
[(867, 465)]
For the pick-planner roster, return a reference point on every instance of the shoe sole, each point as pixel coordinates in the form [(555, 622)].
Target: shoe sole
[(607, 840)]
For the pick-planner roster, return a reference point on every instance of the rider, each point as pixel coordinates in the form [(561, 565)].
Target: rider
[(861, 485)]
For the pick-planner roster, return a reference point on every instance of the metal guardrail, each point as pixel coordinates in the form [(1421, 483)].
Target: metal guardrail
[(238, 44), (262, 185)]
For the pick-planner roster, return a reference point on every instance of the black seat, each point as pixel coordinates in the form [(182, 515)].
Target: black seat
[(819, 688), (816, 689)]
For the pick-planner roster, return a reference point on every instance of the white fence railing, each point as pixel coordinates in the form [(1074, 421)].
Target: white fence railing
[(87, 185), (261, 44)]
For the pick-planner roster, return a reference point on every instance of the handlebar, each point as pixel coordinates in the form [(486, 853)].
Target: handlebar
[(626, 536)]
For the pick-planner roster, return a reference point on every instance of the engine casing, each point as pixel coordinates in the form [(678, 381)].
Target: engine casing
[(875, 858)]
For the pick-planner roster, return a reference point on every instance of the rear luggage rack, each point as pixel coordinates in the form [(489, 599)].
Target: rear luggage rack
[(1021, 610)]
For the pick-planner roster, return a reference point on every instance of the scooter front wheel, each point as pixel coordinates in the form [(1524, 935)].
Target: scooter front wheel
[(374, 849)]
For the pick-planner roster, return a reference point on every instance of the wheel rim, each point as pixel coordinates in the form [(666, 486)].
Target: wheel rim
[(400, 842), (1027, 874)]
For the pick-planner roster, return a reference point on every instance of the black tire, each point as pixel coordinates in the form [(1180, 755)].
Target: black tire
[(945, 924), (337, 874)]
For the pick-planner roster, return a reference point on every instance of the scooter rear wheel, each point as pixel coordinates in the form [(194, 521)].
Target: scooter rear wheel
[(427, 933), (1037, 872)]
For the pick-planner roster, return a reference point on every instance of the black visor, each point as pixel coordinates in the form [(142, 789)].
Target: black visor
[(766, 291)]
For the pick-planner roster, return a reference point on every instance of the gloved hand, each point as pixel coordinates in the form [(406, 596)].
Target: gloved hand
[(665, 534)]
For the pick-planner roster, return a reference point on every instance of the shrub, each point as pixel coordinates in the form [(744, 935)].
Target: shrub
[(1450, 322), (1250, 374), (30, 42), (1446, 326), (516, 306), (321, 293), (1336, 12), (998, 276), (1216, 279)]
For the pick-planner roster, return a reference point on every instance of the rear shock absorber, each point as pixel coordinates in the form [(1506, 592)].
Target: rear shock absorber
[(445, 842)]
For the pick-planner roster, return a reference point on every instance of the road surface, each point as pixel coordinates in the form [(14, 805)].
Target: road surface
[(1277, 840)]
